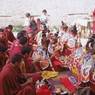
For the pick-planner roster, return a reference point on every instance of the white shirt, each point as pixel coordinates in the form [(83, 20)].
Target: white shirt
[(27, 22), (44, 18)]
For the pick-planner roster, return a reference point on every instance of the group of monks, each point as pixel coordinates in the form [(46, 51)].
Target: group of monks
[(35, 49)]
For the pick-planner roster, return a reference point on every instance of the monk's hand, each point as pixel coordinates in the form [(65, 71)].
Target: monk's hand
[(37, 58), (29, 81)]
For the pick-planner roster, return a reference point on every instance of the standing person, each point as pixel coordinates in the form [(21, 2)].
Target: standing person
[(27, 20), (44, 17)]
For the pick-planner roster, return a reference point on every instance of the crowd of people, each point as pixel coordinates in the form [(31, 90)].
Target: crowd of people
[(36, 49)]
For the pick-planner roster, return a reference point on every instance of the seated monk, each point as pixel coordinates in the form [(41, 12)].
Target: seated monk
[(29, 66), (13, 82)]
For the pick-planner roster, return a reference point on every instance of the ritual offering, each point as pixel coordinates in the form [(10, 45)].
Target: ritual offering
[(49, 74)]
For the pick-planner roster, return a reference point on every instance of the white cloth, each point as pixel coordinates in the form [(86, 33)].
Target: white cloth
[(44, 18), (26, 22)]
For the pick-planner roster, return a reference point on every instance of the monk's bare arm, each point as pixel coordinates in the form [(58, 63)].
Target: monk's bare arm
[(29, 75)]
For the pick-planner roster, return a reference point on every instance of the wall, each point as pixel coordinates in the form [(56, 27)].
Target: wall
[(56, 8)]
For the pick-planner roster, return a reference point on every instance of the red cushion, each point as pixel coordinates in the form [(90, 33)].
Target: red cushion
[(68, 84)]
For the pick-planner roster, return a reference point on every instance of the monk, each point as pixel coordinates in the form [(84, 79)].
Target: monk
[(29, 66), (27, 20), (17, 45), (12, 82), (9, 34)]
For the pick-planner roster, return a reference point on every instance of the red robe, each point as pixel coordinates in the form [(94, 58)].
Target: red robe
[(29, 66), (15, 48), (9, 35), (9, 84)]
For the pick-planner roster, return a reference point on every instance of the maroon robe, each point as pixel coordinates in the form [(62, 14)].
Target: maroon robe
[(9, 35), (28, 65), (15, 48), (9, 84)]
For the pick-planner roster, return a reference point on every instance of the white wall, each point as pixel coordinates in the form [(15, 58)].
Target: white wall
[(56, 8)]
